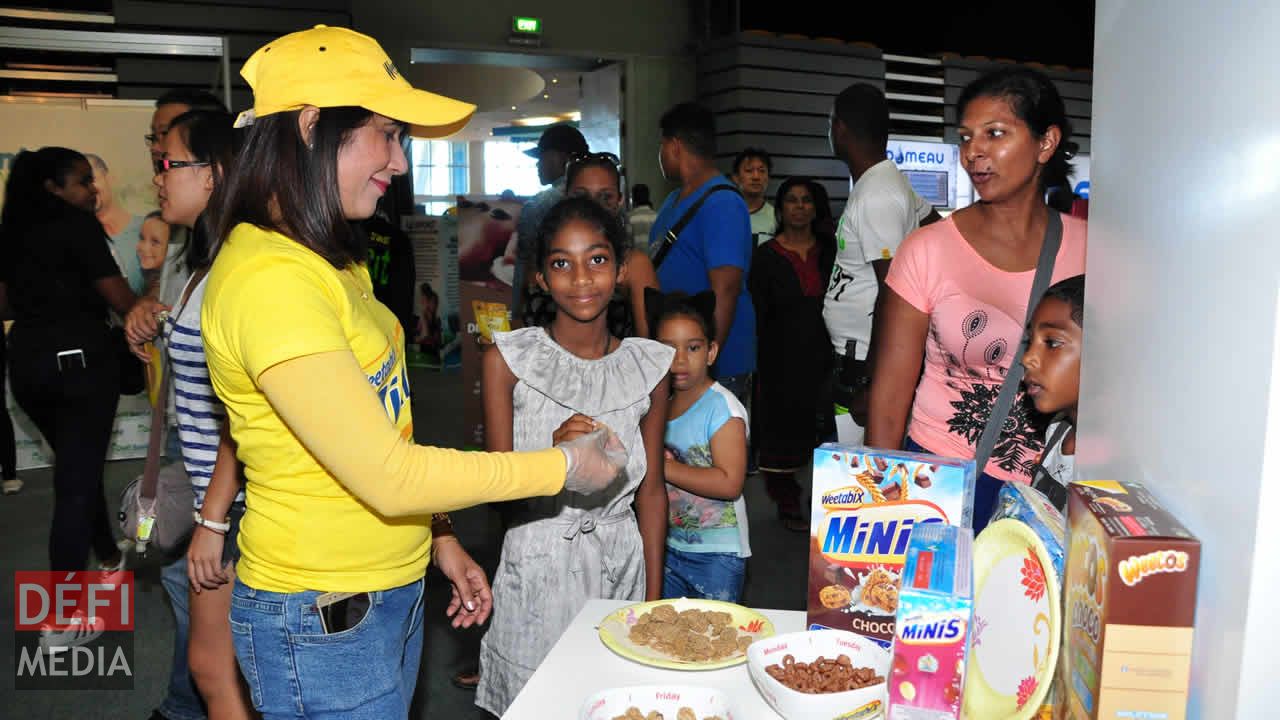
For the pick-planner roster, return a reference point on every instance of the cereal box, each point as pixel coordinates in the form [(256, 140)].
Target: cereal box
[(1130, 604), (865, 504), (935, 607)]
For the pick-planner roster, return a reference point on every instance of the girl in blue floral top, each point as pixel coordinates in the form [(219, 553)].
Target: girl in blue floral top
[(706, 457)]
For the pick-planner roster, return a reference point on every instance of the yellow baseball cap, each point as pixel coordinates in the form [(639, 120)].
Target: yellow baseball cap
[(334, 67)]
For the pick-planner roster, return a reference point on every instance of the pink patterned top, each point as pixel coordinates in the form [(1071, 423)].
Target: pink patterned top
[(976, 314)]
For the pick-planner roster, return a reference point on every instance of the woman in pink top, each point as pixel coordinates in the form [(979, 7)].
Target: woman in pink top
[(958, 289)]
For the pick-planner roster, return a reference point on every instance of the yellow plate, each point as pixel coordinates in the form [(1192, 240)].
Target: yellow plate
[(1016, 629), (616, 627)]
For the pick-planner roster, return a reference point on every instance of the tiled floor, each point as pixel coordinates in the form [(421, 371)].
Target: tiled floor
[(775, 580)]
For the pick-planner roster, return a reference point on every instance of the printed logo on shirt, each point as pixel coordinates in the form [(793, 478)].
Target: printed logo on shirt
[(392, 384)]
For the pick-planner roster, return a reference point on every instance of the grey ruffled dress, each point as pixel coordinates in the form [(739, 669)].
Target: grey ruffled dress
[(563, 550)]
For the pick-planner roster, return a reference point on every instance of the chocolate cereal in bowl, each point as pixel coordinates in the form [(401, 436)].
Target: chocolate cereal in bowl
[(821, 675)]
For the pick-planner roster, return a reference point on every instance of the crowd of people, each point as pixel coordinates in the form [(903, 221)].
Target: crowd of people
[(664, 358)]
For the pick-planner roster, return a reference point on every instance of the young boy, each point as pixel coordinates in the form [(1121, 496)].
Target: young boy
[(1052, 380)]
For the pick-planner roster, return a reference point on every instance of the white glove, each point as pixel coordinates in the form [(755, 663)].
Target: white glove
[(594, 460)]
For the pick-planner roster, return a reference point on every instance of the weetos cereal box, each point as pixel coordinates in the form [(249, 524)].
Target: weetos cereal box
[(865, 504), (1130, 604), (935, 607)]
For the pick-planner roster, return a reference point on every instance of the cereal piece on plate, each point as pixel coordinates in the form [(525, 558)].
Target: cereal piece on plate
[(695, 620), (719, 618), (744, 642), (653, 715), (640, 635), (698, 647), (664, 613), (723, 646), (665, 632), (686, 713)]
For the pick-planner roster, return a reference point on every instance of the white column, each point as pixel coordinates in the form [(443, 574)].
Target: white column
[(1181, 386)]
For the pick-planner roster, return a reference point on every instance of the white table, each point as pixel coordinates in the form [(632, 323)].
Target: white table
[(580, 665)]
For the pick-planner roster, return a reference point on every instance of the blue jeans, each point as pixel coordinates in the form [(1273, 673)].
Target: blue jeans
[(985, 493), (181, 700), (710, 576), (294, 669)]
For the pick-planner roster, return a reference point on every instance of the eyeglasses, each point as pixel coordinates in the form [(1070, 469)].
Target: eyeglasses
[(165, 164)]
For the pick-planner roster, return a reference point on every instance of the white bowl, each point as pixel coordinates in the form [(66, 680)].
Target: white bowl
[(666, 699), (862, 704)]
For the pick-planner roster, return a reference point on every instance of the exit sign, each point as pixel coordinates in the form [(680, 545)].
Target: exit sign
[(526, 25)]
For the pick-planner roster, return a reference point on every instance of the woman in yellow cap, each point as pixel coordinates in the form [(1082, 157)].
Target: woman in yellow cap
[(327, 609)]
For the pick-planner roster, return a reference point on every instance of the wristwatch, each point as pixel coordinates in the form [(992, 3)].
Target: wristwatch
[(219, 527)]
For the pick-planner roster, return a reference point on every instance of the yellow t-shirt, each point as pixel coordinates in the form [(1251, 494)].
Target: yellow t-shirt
[(271, 300)]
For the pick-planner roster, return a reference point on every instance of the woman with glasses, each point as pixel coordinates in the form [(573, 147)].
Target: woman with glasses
[(198, 151), (599, 176), (61, 281)]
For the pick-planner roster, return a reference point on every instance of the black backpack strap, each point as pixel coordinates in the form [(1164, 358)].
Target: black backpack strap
[(668, 240)]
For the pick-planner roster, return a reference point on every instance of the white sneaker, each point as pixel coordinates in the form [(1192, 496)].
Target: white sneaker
[(11, 486), (81, 631)]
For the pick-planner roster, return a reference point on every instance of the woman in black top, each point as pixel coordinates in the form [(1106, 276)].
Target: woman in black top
[(60, 280), (787, 282)]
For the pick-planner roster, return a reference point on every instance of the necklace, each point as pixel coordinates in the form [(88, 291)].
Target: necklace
[(551, 333)]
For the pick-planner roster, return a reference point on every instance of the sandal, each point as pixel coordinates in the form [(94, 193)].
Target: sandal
[(467, 679)]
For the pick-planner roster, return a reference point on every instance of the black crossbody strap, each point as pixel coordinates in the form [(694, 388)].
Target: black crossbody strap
[(1009, 390), (668, 240)]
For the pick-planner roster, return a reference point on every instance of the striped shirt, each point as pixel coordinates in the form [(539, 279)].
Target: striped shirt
[(199, 412)]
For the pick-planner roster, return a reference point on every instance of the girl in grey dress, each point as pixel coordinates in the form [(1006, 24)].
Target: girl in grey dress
[(544, 385)]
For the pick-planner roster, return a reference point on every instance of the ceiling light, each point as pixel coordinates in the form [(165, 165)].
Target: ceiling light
[(537, 120), (555, 80), (545, 96), (513, 107)]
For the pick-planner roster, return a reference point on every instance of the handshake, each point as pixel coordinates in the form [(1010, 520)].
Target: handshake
[(594, 460)]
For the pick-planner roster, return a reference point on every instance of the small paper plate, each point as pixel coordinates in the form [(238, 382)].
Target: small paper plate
[(615, 631), (664, 699), (1017, 624)]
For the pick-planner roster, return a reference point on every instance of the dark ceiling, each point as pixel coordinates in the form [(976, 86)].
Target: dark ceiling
[(1046, 31)]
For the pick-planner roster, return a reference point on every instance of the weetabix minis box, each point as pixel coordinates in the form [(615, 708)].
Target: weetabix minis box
[(927, 676), (865, 503), (1130, 604)]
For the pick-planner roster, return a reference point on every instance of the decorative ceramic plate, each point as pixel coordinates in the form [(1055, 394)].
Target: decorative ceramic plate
[(1017, 624), (615, 633)]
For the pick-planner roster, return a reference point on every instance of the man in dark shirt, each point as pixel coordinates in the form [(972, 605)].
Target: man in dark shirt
[(391, 268), (557, 144)]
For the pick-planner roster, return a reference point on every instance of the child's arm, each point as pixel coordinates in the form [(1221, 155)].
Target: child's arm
[(724, 479), (651, 497), (497, 382)]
